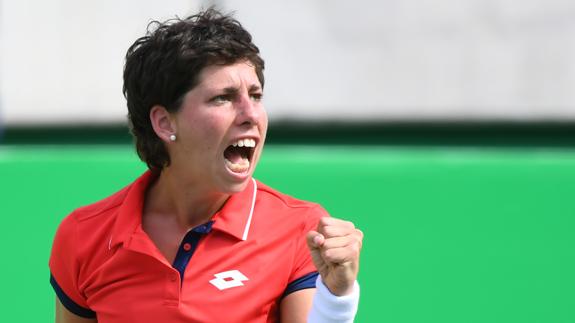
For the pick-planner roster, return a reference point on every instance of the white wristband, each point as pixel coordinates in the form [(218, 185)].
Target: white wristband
[(327, 307)]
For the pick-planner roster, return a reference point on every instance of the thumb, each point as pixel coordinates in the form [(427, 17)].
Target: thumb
[(314, 240)]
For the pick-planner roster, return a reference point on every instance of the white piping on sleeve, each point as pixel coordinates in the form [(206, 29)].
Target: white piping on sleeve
[(247, 228)]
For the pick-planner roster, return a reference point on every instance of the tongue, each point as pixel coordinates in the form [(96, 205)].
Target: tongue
[(235, 154), (237, 159)]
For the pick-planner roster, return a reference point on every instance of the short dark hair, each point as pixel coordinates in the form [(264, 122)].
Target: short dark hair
[(162, 66)]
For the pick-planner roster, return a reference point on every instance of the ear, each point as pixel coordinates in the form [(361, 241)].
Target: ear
[(163, 122)]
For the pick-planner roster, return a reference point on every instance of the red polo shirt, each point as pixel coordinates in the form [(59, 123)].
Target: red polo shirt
[(235, 268)]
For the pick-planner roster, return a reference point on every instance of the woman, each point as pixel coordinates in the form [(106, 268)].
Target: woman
[(196, 238)]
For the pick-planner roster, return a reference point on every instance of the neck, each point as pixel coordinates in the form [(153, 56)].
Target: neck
[(189, 205)]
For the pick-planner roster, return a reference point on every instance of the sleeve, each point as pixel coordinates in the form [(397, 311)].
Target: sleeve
[(64, 269), (304, 273)]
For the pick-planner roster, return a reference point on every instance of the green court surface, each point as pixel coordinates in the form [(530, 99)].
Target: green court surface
[(452, 235)]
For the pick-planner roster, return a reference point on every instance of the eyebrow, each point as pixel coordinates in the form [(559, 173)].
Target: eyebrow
[(254, 87), (235, 90)]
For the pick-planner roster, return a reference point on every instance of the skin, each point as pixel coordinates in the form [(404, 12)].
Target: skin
[(226, 106), (335, 248), (65, 316)]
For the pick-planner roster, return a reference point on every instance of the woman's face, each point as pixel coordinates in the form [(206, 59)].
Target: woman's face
[(221, 128)]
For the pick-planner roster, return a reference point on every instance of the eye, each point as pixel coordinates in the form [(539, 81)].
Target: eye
[(221, 99), (256, 96)]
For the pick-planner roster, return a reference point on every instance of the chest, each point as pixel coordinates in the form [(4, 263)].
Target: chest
[(224, 279)]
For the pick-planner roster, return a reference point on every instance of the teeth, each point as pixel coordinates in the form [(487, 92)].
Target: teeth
[(245, 143), (240, 167), (250, 143)]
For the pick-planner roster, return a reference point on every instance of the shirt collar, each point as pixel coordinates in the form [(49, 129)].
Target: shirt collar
[(234, 217), (129, 216)]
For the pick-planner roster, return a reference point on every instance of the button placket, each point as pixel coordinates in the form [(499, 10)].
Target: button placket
[(172, 288), (188, 246)]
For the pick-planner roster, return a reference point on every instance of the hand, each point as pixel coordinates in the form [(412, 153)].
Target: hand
[(335, 248)]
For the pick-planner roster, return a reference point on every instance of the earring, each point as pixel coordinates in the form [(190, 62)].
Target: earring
[(172, 137)]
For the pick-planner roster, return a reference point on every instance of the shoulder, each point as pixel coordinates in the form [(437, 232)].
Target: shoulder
[(284, 206), (93, 213), (82, 243), (89, 224), (100, 208), (271, 195)]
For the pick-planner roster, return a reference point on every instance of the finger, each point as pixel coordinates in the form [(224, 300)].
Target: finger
[(352, 242), (326, 221), (340, 255), (338, 242), (357, 237), (331, 231)]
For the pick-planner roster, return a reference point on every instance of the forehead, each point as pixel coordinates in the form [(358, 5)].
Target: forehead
[(223, 76)]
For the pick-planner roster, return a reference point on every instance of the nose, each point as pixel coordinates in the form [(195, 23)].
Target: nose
[(248, 110)]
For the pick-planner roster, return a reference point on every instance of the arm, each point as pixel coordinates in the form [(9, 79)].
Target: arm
[(65, 316), (334, 248), (295, 306)]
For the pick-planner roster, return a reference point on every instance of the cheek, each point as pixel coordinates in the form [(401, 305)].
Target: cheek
[(217, 124), (263, 120), (205, 126), (210, 130)]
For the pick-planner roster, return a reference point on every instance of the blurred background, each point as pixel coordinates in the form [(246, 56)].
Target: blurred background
[(444, 129)]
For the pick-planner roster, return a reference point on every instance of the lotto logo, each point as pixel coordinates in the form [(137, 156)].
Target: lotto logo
[(228, 279)]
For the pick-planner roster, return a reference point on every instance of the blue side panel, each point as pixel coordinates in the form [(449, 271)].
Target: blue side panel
[(306, 281), (69, 303)]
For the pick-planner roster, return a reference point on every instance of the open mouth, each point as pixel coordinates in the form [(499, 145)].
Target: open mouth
[(239, 155)]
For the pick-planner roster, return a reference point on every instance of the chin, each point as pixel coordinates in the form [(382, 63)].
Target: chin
[(236, 186)]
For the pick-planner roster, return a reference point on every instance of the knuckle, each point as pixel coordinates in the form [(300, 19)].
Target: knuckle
[(328, 231), (358, 238), (323, 222), (350, 224), (355, 247)]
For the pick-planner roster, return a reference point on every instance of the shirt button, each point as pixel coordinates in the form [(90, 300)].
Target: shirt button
[(187, 246), (173, 277)]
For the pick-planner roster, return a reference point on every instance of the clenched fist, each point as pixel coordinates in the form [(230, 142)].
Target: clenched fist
[(335, 248)]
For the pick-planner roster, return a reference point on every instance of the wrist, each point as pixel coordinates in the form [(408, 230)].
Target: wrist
[(338, 289), (327, 307)]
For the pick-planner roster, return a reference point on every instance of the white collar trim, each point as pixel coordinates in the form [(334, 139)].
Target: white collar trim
[(249, 222)]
